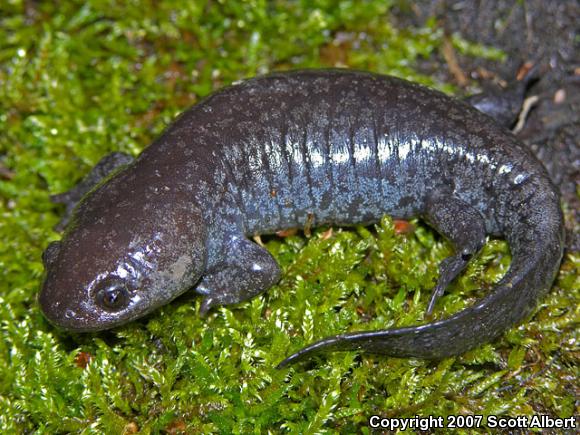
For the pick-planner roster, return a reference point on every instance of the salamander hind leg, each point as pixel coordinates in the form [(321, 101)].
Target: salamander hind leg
[(504, 105), (246, 271), (464, 227)]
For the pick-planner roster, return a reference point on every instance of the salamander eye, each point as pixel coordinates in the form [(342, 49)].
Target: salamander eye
[(112, 295)]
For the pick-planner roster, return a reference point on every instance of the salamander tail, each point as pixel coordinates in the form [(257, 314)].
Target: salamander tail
[(536, 253)]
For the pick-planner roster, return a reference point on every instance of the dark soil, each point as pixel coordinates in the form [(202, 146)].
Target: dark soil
[(537, 31)]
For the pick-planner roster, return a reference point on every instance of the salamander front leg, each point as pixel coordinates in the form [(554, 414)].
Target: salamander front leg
[(464, 227), (103, 169), (247, 271)]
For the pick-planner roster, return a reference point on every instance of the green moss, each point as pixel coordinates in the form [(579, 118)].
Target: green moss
[(81, 79)]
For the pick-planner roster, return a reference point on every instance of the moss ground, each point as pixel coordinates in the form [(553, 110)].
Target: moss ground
[(79, 79)]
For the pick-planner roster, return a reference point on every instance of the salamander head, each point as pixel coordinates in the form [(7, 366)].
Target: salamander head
[(121, 257)]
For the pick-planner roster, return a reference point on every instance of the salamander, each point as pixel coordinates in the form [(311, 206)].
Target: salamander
[(313, 147)]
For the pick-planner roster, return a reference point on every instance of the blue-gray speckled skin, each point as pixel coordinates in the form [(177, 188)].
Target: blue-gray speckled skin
[(307, 148)]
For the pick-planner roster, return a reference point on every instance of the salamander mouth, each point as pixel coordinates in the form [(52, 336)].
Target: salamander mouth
[(84, 314), (69, 315), (74, 320)]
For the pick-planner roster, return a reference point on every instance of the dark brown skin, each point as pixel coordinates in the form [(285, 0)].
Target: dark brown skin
[(337, 147)]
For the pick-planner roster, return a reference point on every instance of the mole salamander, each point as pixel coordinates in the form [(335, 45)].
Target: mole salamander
[(338, 147)]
